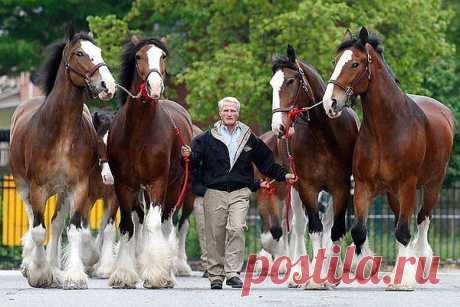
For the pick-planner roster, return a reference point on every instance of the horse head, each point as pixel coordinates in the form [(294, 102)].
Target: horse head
[(144, 67), (85, 66), (291, 90), (353, 72)]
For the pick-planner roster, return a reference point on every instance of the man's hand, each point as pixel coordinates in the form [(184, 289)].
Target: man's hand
[(265, 184), (291, 178), (186, 151)]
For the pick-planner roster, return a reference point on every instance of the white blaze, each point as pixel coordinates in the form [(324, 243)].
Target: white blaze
[(155, 81), (344, 59), (95, 55), (276, 82)]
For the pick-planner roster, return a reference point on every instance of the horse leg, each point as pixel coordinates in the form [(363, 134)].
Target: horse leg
[(27, 243), (266, 236), (74, 274), (124, 274), (181, 266), (309, 197), (39, 273), (106, 238), (138, 218), (407, 200), (57, 226), (297, 243), (420, 244), (364, 195), (156, 261)]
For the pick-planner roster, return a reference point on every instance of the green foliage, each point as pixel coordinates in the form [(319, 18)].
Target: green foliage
[(26, 27)]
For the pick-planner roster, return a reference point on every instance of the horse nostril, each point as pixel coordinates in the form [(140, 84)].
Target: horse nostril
[(334, 103), (103, 85), (281, 128)]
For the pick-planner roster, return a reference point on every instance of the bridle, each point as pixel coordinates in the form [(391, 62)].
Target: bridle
[(292, 111), (349, 92), (85, 76)]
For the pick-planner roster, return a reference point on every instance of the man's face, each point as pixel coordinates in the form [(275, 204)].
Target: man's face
[(229, 114)]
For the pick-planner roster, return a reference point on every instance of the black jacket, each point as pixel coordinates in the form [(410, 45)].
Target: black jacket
[(210, 163)]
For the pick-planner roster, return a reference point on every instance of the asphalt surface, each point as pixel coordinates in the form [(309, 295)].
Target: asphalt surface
[(194, 291)]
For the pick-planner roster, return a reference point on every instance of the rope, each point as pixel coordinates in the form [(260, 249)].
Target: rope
[(180, 199)]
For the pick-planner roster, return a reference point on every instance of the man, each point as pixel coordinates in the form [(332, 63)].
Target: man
[(221, 161)]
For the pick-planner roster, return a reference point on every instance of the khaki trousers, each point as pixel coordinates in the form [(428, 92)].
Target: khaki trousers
[(198, 210), (225, 224)]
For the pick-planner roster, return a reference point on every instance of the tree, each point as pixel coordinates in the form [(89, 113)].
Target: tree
[(26, 27)]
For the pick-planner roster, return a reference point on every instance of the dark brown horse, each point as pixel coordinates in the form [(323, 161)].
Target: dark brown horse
[(101, 187), (53, 150), (144, 150), (405, 141), (322, 148)]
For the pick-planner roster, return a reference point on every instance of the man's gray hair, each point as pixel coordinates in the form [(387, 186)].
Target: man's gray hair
[(228, 99)]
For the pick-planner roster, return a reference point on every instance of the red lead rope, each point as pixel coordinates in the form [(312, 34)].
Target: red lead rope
[(180, 199)]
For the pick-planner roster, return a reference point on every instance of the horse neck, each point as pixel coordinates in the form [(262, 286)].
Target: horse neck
[(384, 105), (63, 107)]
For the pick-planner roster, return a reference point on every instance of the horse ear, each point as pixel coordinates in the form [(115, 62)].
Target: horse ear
[(70, 31), (363, 35), (135, 40), (291, 53), (347, 36)]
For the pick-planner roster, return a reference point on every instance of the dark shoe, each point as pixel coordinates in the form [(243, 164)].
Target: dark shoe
[(216, 284), (205, 274), (235, 282)]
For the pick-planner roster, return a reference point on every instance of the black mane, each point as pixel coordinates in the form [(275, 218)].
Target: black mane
[(280, 62), (128, 62), (49, 69), (374, 41)]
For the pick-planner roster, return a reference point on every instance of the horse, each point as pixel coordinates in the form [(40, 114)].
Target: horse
[(101, 187), (321, 149), (53, 151), (270, 205), (144, 151), (404, 142)]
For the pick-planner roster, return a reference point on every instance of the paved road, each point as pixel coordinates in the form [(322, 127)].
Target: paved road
[(193, 291)]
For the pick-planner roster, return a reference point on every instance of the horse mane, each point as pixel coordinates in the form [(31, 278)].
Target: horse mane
[(375, 41), (49, 69), (128, 62)]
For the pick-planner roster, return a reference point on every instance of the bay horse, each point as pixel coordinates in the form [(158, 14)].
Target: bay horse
[(101, 187), (144, 151), (321, 148), (53, 150), (405, 141)]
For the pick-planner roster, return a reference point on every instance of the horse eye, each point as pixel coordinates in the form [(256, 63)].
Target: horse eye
[(290, 81), (138, 57), (79, 53), (354, 65)]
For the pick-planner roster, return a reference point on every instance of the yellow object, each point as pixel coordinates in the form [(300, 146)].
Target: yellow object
[(15, 221)]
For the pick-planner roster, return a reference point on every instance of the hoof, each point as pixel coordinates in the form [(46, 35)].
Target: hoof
[(40, 277), (123, 279), (182, 268), (75, 281), (315, 286), (158, 284), (293, 285), (392, 287)]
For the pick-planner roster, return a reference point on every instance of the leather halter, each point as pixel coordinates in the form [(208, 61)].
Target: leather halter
[(349, 92), (86, 77), (292, 110)]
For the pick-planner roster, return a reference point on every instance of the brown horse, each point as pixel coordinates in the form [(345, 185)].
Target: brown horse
[(53, 150), (144, 151), (322, 148), (405, 141), (271, 206), (101, 187)]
